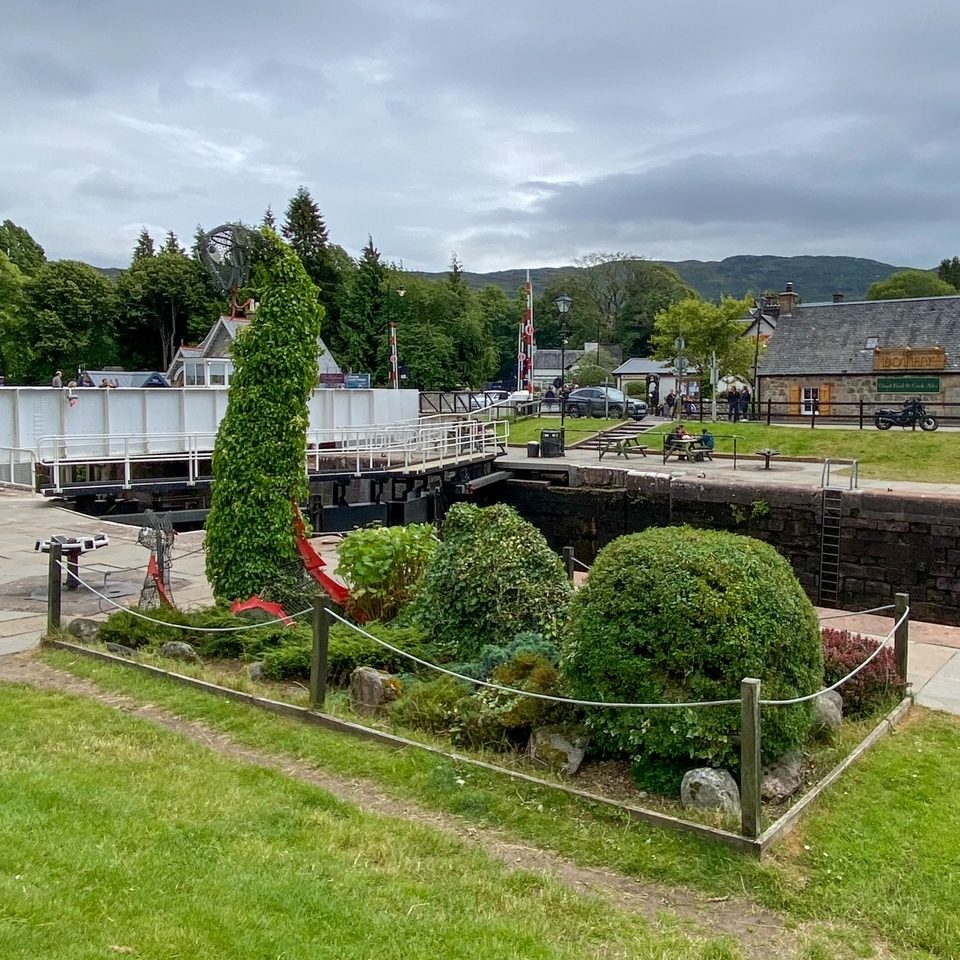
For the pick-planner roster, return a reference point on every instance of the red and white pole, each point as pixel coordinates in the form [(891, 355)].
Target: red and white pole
[(528, 332), (394, 367)]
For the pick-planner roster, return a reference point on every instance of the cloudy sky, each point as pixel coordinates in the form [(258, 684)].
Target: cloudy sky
[(522, 133)]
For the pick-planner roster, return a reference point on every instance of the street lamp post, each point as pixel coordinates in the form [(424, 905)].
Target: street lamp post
[(563, 303)]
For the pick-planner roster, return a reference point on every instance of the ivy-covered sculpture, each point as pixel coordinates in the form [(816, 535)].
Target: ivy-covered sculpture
[(258, 461)]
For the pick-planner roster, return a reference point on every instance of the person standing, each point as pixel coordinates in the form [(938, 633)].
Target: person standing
[(57, 380), (745, 403), (733, 404)]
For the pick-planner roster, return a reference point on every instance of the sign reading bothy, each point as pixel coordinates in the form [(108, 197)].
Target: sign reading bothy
[(909, 358), (908, 384)]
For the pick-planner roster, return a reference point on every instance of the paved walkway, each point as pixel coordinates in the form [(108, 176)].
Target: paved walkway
[(934, 649)]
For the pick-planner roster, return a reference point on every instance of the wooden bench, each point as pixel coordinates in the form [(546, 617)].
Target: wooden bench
[(691, 449), (767, 454), (623, 447)]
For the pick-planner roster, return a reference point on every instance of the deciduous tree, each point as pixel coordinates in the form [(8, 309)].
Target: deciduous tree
[(905, 284), (21, 248)]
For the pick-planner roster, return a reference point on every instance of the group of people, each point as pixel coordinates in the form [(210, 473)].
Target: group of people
[(738, 404), (678, 437), (57, 382)]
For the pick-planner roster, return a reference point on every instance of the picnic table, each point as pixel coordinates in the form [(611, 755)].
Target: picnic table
[(685, 448), (767, 454), (623, 446)]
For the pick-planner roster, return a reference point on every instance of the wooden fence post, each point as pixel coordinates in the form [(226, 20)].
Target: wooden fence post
[(54, 579), (750, 758), (901, 635), (568, 561), (318, 660)]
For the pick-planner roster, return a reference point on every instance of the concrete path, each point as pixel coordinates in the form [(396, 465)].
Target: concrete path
[(934, 669)]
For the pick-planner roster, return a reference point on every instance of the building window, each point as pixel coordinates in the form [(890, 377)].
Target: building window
[(194, 375), (811, 400), (873, 343), (218, 376)]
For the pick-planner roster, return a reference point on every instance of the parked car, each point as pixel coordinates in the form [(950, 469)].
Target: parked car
[(489, 398), (604, 401)]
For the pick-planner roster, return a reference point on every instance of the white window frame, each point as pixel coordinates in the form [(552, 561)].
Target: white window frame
[(808, 397)]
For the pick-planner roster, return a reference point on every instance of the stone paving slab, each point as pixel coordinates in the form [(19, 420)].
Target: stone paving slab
[(942, 691), (925, 661)]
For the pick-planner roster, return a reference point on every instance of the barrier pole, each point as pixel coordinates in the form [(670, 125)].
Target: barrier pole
[(901, 636), (750, 758), (53, 589), (568, 560), (321, 644)]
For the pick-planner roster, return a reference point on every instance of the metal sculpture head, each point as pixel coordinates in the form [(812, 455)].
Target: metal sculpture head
[(226, 252)]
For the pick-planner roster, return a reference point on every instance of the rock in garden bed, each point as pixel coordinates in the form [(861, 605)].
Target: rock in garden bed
[(558, 748), (781, 780), (707, 789), (372, 689), (179, 650)]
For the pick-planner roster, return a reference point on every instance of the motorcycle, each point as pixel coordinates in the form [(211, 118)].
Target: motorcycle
[(912, 414)]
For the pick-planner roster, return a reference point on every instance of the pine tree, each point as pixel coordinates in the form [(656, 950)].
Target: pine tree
[(21, 248), (144, 247), (269, 220), (364, 318), (171, 244), (199, 241), (307, 233)]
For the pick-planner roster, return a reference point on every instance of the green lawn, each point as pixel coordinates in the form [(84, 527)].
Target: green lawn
[(120, 838), (522, 431), (891, 455), (876, 860)]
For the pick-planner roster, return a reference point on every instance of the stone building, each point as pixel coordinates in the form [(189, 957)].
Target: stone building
[(831, 356)]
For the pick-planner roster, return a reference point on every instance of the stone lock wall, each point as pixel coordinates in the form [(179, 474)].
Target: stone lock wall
[(890, 542)]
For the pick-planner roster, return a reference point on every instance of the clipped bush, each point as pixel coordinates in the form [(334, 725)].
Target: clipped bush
[(675, 614), (492, 577), (383, 565), (875, 688), (492, 656), (288, 663), (526, 671)]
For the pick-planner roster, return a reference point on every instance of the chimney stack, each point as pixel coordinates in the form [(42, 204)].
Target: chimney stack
[(788, 300), (838, 297)]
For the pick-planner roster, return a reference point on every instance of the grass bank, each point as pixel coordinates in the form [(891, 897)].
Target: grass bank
[(522, 431), (875, 860), (891, 455), (123, 839)]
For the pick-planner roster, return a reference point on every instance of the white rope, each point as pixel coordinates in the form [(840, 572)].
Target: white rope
[(182, 626), (603, 703), (857, 613), (528, 693), (876, 653)]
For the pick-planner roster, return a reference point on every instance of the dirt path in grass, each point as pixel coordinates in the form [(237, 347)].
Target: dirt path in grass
[(760, 932)]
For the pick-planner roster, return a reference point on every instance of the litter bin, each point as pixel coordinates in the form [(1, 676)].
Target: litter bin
[(551, 443), (533, 449)]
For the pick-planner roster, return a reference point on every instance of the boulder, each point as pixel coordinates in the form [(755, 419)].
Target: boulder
[(781, 780), (827, 712), (119, 650), (179, 650), (707, 789), (559, 749), (372, 689), (255, 670), (83, 629)]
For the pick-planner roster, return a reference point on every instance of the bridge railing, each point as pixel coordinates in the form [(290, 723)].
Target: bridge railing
[(17, 467), (406, 445)]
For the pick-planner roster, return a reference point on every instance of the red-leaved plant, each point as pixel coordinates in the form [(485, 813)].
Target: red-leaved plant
[(875, 687)]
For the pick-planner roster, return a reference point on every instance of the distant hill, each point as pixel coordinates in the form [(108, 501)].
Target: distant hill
[(814, 278), (112, 273)]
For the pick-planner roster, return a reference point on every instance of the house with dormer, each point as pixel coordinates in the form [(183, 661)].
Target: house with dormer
[(824, 356)]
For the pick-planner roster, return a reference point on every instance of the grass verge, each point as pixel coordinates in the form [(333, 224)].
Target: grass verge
[(522, 431), (893, 455), (875, 857), (121, 838)]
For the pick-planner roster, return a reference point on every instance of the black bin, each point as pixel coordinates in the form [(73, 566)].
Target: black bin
[(533, 449), (551, 443)]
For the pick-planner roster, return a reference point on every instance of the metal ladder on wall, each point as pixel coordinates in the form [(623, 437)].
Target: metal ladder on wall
[(832, 509)]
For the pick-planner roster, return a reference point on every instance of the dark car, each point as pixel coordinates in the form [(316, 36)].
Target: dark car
[(604, 401)]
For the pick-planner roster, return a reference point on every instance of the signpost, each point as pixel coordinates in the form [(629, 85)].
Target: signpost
[(908, 385)]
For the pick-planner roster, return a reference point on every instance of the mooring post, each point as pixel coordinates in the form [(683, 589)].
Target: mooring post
[(750, 758), (568, 560), (321, 643), (53, 588), (901, 635)]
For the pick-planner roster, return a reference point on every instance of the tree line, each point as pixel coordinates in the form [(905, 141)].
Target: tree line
[(65, 314)]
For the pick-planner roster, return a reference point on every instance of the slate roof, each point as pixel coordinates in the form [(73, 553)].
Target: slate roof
[(831, 338), (641, 366), (550, 359), (125, 378)]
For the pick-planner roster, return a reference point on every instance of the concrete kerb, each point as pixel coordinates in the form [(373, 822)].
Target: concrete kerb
[(755, 847)]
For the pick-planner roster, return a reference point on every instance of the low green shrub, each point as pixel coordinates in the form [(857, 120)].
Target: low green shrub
[(675, 614), (876, 688), (492, 577), (288, 663), (382, 566), (492, 656), (431, 705)]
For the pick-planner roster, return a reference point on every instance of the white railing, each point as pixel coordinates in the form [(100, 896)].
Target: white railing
[(407, 445), (17, 467)]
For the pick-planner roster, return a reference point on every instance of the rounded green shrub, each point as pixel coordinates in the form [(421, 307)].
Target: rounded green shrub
[(681, 615), (492, 577)]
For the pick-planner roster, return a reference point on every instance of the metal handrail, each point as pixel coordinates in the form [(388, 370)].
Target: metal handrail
[(829, 462)]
